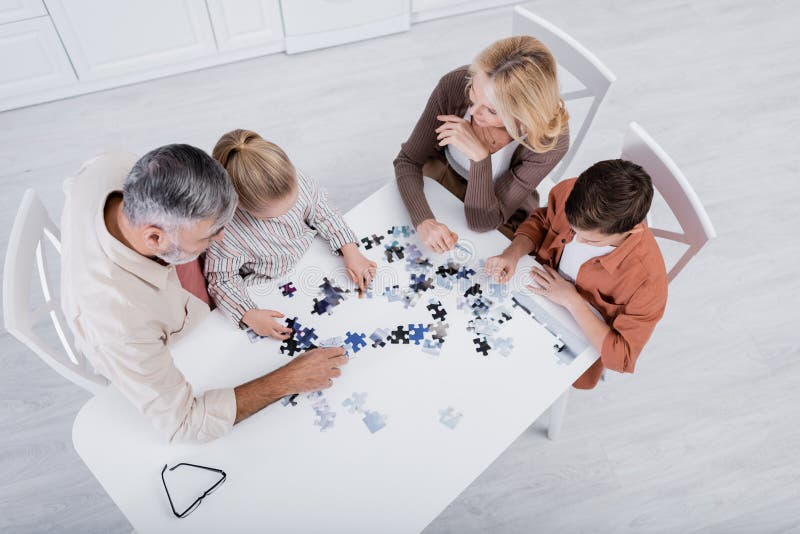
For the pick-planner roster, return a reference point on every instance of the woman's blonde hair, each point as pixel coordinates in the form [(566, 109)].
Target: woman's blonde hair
[(523, 86), (260, 170)]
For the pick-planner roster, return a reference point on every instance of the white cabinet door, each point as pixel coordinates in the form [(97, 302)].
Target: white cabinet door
[(434, 9), (13, 10), (245, 23), (106, 38), (316, 23), (31, 58)]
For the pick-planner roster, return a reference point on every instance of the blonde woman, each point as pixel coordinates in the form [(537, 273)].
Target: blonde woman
[(490, 133)]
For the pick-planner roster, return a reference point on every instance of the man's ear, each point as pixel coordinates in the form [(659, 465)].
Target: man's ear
[(154, 238)]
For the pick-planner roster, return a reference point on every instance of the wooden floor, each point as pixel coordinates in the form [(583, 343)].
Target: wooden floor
[(704, 438)]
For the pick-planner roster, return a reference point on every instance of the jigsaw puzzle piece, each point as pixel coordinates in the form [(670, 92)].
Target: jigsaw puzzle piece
[(355, 403), (481, 346), (355, 341), (374, 421), (288, 289), (399, 335), (378, 337), (449, 417)]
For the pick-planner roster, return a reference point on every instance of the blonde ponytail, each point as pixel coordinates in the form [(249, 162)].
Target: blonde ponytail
[(260, 170)]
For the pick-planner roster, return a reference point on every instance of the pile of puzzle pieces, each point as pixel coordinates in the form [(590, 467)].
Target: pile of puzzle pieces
[(487, 305)]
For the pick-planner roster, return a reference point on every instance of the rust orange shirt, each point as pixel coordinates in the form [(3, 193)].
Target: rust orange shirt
[(628, 286)]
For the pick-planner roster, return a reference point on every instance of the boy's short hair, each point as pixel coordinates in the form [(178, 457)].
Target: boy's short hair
[(260, 170), (611, 197)]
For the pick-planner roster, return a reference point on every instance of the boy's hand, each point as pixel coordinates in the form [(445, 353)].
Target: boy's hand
[(359, 269), (263, 323), (436, 236), (501, 268), (553, 286)]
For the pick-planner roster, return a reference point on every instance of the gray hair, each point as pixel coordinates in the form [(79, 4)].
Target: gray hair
[(176, 185)]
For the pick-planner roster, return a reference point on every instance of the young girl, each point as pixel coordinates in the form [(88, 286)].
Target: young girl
[(280, 211)]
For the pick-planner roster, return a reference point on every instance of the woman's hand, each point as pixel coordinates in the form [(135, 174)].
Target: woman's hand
[(458, 132), (436, 236), (553, 286), (263, 323), (359, 269)]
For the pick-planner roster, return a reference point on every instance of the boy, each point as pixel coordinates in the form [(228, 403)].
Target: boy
[(596, 250)]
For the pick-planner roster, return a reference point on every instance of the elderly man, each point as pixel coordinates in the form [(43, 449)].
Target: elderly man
[(125, 224)]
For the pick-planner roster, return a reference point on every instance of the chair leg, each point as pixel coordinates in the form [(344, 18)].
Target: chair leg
[(557, 411)]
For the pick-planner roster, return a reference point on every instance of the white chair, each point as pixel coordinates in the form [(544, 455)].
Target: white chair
[(32, 233), (677, 192), (582, 65)]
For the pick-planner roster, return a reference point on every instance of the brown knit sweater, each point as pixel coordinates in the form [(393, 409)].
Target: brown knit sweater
[(488, 204)]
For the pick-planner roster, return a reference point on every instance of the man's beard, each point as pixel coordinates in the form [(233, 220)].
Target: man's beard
[(175, 256)]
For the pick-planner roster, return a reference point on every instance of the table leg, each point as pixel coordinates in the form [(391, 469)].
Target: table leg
[(557, 411)]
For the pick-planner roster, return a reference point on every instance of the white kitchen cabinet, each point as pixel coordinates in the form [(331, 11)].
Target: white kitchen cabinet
[(32, 58), (310, 24), (106, 38), (422, 10), (14, 10), (242, 24)]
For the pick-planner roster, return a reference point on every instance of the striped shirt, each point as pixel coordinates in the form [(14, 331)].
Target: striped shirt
[(254, 250)]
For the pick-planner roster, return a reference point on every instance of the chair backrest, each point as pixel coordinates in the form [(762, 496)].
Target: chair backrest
[(33, 232), (676, 191), (579, 62)]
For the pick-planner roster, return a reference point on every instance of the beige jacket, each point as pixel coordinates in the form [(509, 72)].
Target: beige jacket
[(124, 310)]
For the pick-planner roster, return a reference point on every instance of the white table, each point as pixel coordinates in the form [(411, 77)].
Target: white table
[(284, 474)]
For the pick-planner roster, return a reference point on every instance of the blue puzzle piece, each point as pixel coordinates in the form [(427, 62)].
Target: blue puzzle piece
[(305, 337), (355, 341), (416, 333), (465, 273), (374, 421)]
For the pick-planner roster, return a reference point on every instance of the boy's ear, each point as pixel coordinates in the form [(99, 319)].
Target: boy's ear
[(638, 228)]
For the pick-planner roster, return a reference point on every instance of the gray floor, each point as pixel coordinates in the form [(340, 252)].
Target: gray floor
[(702, 439)]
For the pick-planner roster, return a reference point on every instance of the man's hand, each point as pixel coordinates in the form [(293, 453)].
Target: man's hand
[(554, 287), (436, 236), (359, 269), (458, 132), (263, 323), (313, 370)]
